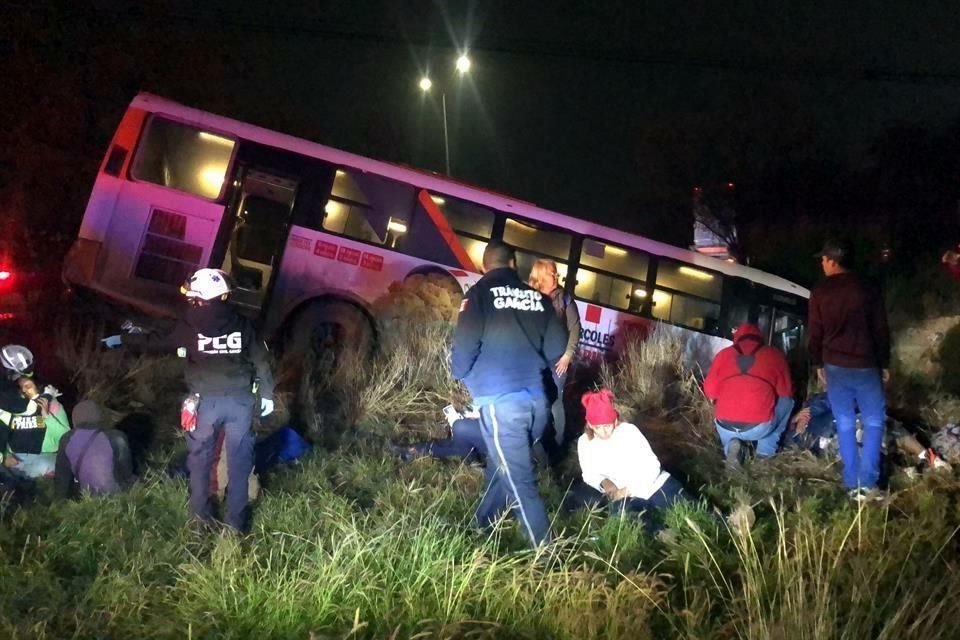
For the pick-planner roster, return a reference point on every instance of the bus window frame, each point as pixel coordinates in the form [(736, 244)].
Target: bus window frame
[(644, 310), (141, 140)]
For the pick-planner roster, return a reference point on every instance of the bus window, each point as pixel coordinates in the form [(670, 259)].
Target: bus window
[(689, 279), (368, 208), (546, 242), (466, 217), (613, 259), (604, 289), (183, 158), (686, 311), (623, 284)]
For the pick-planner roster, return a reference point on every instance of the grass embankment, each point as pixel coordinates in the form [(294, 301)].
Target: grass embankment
[(352, 543)]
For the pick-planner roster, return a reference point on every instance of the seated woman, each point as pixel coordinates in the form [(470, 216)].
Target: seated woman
[(619, 468), (29, 440)]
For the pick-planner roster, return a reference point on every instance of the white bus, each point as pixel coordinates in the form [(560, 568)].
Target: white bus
[(312, 235)]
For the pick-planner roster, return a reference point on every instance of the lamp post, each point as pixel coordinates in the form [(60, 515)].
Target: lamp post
[(463, 66)]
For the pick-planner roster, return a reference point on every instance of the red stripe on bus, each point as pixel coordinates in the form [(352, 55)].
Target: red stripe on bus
[(126, 136), (446, 231)]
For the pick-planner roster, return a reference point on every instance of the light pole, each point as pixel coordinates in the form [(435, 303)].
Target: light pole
[(462, 66)]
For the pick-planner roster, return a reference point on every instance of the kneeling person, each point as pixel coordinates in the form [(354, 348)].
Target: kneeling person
[(92, 457), (750, 386), (29, 439), (619, 468)]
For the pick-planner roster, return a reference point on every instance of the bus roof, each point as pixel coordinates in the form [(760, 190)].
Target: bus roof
[(446, 186)]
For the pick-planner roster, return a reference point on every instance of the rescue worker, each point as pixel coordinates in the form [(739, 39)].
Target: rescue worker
[(226, 365), (507, 334), (17, 362), (750, 386)]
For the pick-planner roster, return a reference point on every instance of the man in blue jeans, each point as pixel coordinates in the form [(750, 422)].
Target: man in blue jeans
[(849, 344), (507, 334)]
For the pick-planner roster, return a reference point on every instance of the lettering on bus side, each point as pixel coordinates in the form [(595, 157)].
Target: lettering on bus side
[(371, 261), (597, 339), (348, 256), (325, 250)]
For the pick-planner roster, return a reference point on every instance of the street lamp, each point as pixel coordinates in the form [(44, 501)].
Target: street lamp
[(463, 66)]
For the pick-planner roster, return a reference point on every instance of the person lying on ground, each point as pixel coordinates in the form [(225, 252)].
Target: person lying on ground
[(30, 439), (619, 468), (813, 428), (749, 384), (92, 457), (465, 441)]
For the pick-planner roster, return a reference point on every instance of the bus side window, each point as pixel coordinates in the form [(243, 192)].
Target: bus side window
[(368, 208), (472, 224), (688, 296), (532, 242), (183, 158), (611, 275)]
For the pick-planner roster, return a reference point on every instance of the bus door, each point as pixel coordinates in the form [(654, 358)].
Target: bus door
[(256, 231), (783, 319)]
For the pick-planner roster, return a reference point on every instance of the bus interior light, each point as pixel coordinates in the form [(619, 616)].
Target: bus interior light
[(397, 226), (438, 200), (210, 137), (640, 293), (696, 273), (211, 177), (616, 251), (341, 173)]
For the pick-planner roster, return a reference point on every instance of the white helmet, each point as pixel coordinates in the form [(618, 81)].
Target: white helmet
[(207, 284), (17, 360)]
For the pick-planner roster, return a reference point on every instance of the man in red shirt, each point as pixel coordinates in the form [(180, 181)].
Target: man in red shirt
[(750, 386)]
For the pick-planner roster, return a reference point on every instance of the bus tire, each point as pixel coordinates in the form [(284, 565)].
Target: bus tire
[(331, 325)]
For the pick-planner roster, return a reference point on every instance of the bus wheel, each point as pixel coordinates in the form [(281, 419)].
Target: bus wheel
[(331, 325)]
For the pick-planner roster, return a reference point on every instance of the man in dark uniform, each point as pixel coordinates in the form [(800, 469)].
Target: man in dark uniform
[(507, 334), (225, 360)]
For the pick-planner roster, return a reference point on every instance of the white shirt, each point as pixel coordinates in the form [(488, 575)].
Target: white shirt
[(625, 459)]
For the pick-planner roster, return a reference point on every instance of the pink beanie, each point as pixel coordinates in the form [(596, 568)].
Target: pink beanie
[(599, 406)]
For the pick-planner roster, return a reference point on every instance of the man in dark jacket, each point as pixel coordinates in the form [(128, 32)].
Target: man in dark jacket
[(849, 345), (750, 386), (507, 334), (225, 361), (91, 457)]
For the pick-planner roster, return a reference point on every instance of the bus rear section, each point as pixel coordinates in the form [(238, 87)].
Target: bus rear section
[(154, 214)]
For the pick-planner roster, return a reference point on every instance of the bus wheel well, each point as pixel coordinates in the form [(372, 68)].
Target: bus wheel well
[(438, 272), (330, 322)]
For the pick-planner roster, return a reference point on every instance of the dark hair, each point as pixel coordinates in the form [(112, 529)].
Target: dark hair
[(497, 254)]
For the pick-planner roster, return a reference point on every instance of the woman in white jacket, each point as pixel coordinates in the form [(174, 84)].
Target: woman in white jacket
[(619, 468)]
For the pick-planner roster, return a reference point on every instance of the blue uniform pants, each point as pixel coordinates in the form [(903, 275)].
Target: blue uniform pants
[(233, 415), (510, 425), (848, 389)]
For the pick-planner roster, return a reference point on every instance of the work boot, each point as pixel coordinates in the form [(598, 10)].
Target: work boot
[(733, 455)]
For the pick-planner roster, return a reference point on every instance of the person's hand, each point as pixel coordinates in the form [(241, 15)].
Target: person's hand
[(885, 375), (266, 407), (44, 404), (620, 494), (822, 377), (801, 420), (562, 365), (10, 461), (112, 342)]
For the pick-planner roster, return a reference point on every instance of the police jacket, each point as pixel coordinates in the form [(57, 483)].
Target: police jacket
[(223, 352), (507, 333)]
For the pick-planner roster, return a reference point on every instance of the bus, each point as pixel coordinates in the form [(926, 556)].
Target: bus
[(312, 235)]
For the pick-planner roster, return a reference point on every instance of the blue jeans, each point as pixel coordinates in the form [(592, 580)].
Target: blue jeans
[(466, 437), (234, 415), (510, 425), (766, 434), (848, 389)]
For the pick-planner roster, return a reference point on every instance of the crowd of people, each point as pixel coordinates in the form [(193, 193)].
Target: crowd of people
[(512, 348)]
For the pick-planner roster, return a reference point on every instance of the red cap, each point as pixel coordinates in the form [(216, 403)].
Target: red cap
[(599, 406)]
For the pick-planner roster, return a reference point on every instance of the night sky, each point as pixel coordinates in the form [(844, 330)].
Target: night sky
[(567, 105)]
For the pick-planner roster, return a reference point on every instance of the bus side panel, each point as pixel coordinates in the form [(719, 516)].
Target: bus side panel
[(317, 263), (604, 332)]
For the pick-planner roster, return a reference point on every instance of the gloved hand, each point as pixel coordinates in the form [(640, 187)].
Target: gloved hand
[(266, 407), (112, 342)]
